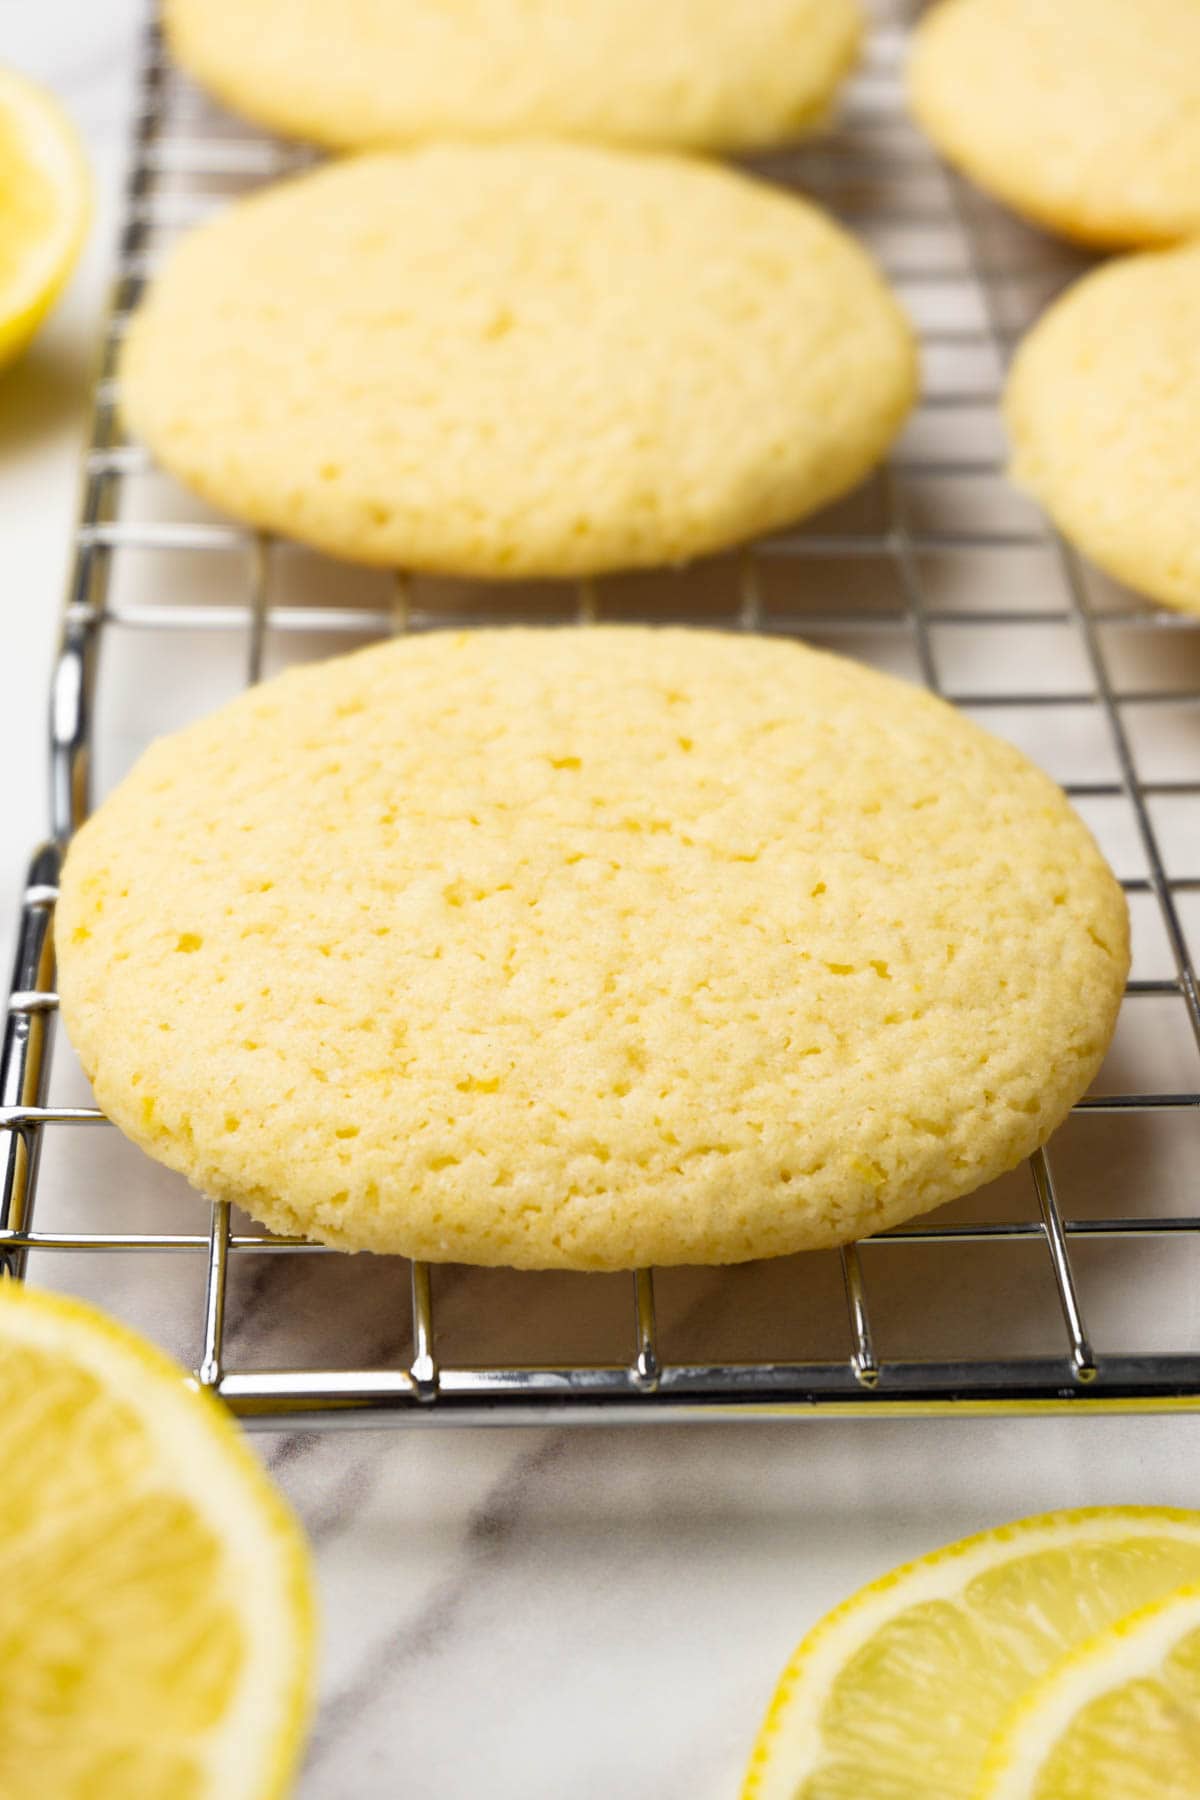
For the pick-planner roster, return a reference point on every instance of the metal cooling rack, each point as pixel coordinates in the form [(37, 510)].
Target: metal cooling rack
[(935, 569)]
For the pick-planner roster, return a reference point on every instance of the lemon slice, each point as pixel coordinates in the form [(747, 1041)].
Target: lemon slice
[(1119, 1720), (45, 205), (896, 1694), (156, 1606)]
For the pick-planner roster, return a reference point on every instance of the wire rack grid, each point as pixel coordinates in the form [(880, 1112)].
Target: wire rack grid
[(935, 569)]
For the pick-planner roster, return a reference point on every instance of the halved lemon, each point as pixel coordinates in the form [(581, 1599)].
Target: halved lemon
[(1118, 1720), (156, 1607), (45, 205), (896, 1695)]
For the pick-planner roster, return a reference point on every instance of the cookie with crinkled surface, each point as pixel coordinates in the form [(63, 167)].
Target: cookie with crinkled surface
[(525, 360), (1082, 114), (355, 73), (1103, 411), (588, 948)]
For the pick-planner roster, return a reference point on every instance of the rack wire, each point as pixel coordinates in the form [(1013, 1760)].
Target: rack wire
[(935, 569)]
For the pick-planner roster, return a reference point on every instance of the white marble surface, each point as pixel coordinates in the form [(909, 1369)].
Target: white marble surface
[(596, 1613)]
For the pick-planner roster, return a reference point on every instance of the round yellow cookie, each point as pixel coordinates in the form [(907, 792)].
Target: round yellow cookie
[(588, 948), (1082, 114), (519, 360), (358, 73), (1103, 412)]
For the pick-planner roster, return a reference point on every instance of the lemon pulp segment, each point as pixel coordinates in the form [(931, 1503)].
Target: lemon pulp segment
[(156, 1615), (1118, 1720), (896, 1695), (45, 204)]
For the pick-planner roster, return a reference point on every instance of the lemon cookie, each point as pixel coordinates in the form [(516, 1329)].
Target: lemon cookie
[(1103, 410), (1082, 114), (355, 73), (519, 360), (588, 948)]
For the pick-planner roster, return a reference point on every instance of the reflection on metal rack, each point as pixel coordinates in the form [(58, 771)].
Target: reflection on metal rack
[(939, 243)]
